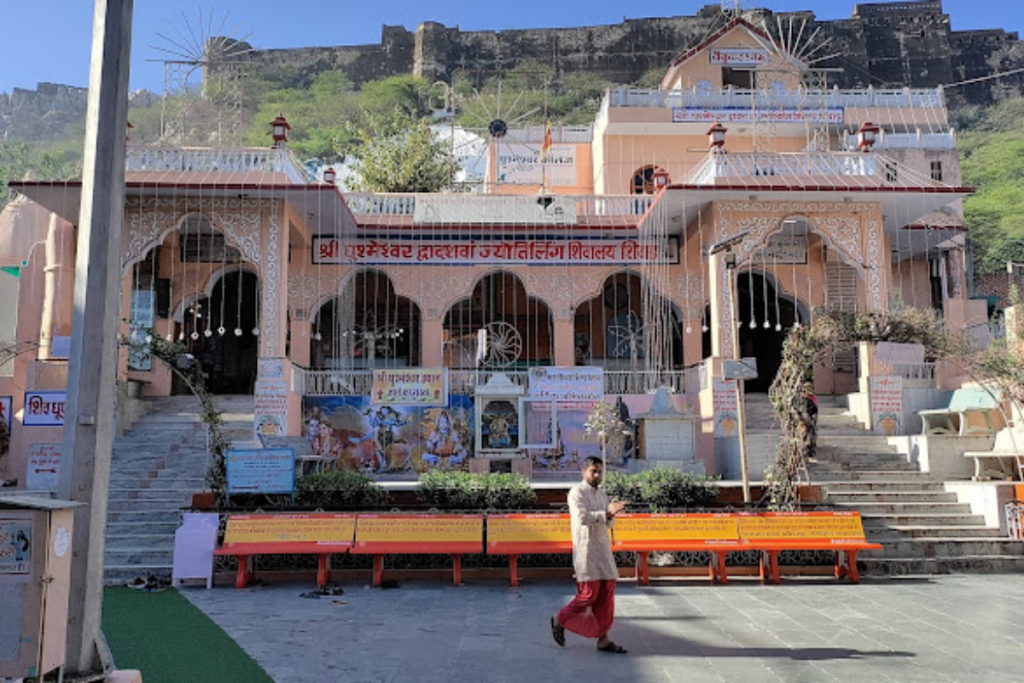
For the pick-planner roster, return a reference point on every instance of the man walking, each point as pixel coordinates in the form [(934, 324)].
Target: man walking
[(591, 612)]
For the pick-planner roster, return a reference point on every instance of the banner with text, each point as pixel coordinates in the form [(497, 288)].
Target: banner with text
[(728, 115), (410, 387), (520, 164), (567, 383), (739, 56), (887, 405), (44, 409), (330, 250), (43, 467)]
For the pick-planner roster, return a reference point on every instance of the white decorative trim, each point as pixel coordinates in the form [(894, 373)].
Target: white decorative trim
[(875, 267), (270, 275)]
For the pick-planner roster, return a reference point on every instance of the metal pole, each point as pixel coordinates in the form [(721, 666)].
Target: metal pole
[(741, 420), (92, 366)]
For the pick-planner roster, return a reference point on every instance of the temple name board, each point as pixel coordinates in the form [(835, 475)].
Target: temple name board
[(330, 250), (748, 115), (739, 56)]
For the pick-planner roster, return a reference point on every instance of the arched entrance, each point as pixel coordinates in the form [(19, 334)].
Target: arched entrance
[(624, 328), (498, 326), (222, 332), (367, 326)]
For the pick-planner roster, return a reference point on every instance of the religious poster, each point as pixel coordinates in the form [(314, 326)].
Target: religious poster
[(886, 405), (15, 546), (44, 409), (572, 444), (726, 408), (352, 433), (5, 425), (410, 387), (43, 467), (270, 408)]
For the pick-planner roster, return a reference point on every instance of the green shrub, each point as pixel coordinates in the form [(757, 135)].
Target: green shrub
[(462, 490), (338, 490), (662, 489)]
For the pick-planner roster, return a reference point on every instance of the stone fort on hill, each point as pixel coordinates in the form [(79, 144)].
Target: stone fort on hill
[(882, 45)]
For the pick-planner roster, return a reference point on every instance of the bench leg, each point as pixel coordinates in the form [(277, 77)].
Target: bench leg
[(323, 573), (457, 570), (773, 565), (513, 570), (244, 574), (720, 567), (378, 569), (849, 567), (643, 574)]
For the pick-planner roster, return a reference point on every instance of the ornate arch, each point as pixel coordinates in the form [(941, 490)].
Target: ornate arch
[(207, 288)]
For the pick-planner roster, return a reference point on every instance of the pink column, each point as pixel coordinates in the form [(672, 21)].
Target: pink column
[(274, 282), (59, 284), (565, 343), (433, 343)]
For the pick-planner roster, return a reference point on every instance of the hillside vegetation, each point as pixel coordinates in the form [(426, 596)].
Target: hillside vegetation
[(991, 144)]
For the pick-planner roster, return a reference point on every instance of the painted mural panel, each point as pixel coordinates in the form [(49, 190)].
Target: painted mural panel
[(380, 440)]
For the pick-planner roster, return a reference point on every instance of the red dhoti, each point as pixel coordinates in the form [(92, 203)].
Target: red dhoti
[(592, 611)]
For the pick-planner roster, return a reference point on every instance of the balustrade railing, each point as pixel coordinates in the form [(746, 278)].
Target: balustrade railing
[(916, 375), (374, 204), (931, 98), (802, 166), (212, 160)]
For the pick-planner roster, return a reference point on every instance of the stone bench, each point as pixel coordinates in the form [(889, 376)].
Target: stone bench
[(1008, 446), (970, 411)]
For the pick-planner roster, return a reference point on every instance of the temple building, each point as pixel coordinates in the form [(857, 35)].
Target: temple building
[(688, 225)]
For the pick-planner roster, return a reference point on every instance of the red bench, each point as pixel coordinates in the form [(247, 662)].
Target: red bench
[(523, 534), (717, 534), (393, 534), (774, 532), (320, 534)]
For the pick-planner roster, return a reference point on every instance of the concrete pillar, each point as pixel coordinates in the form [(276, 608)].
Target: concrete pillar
[(274, 282), (301, 332), (565, 343), (722, 302), (89, 420), (433, 343), (59, 283)]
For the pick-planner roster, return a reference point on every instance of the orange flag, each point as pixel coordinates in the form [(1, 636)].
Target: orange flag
[(547, 141)]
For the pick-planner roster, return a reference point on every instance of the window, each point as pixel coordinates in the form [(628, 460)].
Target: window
[(643, 180), (937, 171), (737, 78), (891, 173)]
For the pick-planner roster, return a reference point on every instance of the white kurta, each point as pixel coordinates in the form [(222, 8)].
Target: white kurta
[(591, 546)]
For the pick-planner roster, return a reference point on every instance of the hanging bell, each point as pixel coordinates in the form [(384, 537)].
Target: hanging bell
[(317, 336), (689, 329), (207, 333), (195, 335), (238, 331), (753, 324), (704, 328), (767, 325), (255, 331), (778, 327), (181, 337), (221, 330), (170, 338), (149, 339)]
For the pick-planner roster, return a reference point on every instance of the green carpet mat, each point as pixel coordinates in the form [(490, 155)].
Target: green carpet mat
[(170, 641)]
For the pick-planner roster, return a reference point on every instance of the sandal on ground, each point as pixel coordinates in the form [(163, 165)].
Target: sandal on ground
[(557, 632), (613, 648)]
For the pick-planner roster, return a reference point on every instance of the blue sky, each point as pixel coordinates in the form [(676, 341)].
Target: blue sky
[(49, 40)]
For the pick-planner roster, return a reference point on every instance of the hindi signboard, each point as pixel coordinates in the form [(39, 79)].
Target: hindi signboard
[(534, 251), (643, 529), (43, 467), (561, 383), (886, 405), (738, 56), (726, 409), (797, 526), (726, 115), (320, 529), (260, 470), (521, 164), (44, 409), (270, 408), (410, 387)]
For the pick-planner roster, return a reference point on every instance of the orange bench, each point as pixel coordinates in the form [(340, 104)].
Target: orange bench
[(394, 534), (320, 534), (524, 534), (717, 534), (773, 532)]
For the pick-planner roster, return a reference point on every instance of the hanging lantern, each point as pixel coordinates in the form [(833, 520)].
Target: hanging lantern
[(730, 260), (207, 333), (221, 330), (330, 175), (660, 179), (716, 137), (238, 331), (866, 136), (279, 131)]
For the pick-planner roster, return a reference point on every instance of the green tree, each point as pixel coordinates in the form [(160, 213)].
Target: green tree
[(399, 153)]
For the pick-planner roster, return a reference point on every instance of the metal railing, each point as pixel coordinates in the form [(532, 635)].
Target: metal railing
[(916, 375), (213, 160), (310, 382), (768, 98), (802, 165), (382, 204)]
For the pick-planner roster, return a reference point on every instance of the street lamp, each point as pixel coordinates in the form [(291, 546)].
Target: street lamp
[(279, 131), (866, 136), (716, 137), (330, 175)]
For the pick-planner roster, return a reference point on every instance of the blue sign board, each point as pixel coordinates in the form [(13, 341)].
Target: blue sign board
[(260, 470)]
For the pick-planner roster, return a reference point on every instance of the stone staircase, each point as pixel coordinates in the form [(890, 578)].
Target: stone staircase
[(156, 467), (923, 528)]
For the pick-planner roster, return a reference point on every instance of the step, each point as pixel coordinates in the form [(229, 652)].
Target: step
[(139, 556), (117, 574), (947, 547), (148, 504), (891, 519), (118, 527), (974, 564), (143, 516), (137, 493), (864, 485), (901, 476), (905, 508), (140, 540), (925, 531), (891, 496)]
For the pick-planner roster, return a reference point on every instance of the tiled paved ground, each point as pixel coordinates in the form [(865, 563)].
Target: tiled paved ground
[(928, 629)]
